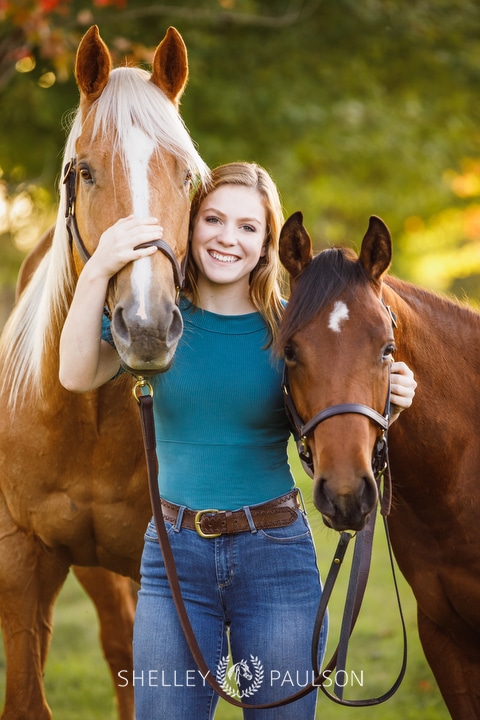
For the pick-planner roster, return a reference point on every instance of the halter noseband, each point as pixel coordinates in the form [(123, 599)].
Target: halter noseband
[(303, 430), (70, 182)]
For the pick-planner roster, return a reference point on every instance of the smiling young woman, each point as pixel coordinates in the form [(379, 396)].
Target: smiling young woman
[(247, 569)]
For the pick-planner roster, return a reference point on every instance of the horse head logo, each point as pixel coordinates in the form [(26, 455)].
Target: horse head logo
[(240, 670), (242, 679)]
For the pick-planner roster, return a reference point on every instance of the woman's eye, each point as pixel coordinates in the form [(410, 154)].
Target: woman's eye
[(212, 219), (248, 228)]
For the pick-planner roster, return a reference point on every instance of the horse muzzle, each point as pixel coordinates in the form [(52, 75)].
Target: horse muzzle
[(146, 346), (345, 510)]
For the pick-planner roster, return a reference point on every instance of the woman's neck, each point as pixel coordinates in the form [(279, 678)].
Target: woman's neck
[(224, 300)]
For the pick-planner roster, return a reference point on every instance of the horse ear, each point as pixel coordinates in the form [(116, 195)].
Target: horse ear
[(295, 248), (93, 65), (170, 66), (376, 251)]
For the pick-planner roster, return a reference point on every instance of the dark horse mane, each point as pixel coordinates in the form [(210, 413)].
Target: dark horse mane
[(326, 277), (337, 270)]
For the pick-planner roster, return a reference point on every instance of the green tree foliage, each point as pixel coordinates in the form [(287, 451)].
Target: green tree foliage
[(356, 108)]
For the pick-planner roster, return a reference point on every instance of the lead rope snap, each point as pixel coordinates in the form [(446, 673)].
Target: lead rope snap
[(139, 386)]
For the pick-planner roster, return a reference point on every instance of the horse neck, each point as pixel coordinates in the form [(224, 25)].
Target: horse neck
[(432, 328), (439, 340), (432, 445)]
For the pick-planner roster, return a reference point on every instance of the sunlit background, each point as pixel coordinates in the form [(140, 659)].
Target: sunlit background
[(356, 109)]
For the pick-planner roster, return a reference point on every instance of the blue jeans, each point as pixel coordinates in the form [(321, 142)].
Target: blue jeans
[(254, 593)]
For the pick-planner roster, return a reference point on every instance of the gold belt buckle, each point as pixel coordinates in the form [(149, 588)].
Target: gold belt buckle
[(198, 520)]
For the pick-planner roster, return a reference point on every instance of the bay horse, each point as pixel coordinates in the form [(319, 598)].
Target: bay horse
[(73, 485), (338, 337)]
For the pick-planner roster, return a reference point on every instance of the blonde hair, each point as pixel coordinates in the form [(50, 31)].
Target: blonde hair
[(266, 279)]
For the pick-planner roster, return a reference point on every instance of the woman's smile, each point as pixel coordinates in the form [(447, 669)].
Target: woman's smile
[(222, 257)]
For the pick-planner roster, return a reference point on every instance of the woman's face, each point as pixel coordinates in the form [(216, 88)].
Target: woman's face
[(229, 236)]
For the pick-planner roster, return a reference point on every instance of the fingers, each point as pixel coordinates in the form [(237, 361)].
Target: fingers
[(129, 232), (402, 386), (119, 244)]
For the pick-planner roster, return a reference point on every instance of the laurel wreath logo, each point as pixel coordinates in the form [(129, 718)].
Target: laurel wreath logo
[(229, 680)]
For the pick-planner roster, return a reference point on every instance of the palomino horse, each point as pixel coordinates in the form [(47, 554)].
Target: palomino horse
[(113, 595), (338, 340), (73, 483)]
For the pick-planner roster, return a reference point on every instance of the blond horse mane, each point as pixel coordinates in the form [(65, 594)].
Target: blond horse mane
[(129, 99)]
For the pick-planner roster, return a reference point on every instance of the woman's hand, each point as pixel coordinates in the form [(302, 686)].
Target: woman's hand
[(86, 361), (402, 389), (116, 245)]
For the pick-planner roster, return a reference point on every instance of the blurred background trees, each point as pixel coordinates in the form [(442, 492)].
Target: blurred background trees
[(357, 108)]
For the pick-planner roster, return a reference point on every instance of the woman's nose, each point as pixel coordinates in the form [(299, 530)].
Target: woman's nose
[(228, 235)]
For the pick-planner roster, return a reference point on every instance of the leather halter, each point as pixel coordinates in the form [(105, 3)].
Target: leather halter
[(70, 182), (304, 429)]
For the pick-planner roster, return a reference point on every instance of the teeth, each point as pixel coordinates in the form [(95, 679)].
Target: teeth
[(223, 258)]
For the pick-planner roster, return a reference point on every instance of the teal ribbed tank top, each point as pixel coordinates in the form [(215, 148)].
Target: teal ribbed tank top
[(221, 428), (220, 423)]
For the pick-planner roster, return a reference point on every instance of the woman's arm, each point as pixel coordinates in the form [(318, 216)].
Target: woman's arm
[(86, 361)]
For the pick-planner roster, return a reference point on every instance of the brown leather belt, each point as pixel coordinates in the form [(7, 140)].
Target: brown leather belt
[(279, 512)]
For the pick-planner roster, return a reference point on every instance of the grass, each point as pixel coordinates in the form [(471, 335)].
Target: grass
[(79, 687)]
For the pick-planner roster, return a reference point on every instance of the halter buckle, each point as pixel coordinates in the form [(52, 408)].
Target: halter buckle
[(69, 167)]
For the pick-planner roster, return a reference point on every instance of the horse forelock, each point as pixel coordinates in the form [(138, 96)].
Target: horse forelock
[(131, 100), (324, 280)]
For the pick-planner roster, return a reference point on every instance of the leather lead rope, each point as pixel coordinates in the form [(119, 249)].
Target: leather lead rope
[(361, 565), (146, 413), (356, 590)]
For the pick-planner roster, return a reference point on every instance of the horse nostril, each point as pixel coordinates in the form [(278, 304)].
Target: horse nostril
[(121, 327), (175, 328), (322, 498), (369, 495)]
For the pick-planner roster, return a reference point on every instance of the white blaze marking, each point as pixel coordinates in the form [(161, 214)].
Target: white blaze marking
[(338, 316), (138, 151)]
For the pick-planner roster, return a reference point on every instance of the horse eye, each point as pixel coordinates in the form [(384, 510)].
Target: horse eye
[(388, 351), (188, 177), (289, 354), (85, 174)]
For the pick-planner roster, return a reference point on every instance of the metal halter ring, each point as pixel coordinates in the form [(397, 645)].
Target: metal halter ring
[(141, 383)]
